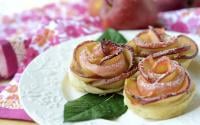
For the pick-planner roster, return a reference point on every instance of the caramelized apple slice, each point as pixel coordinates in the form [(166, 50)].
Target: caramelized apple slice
[(169, 77), (131, 87), (144, 67), (149, 62), (154, 39), (161, 66), (75, 67), (186, 41), (104, 65)]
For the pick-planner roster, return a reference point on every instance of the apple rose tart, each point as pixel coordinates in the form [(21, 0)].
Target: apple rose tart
[(101, 67), (157, 43), (161, 90)]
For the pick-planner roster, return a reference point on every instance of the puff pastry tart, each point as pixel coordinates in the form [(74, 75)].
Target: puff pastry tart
[(101, 67), (156, 40), (162, 89)]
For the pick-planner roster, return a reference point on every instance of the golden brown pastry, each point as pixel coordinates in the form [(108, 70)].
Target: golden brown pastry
[(161, 90), (101, 67), (157, 43)]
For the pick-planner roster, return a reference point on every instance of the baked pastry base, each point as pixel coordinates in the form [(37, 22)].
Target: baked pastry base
[(163, 109), (185, 63), (84, 87)]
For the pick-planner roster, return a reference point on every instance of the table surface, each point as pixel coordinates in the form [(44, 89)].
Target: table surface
[(7, 8), (15, 122)]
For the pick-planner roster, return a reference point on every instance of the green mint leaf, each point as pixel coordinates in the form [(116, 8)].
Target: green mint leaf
[(91, 106), (113, 35)]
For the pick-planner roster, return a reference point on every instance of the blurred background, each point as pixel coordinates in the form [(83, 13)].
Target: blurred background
[(16, 6)]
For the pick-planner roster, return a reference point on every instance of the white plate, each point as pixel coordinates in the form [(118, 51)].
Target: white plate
[(43, 92)]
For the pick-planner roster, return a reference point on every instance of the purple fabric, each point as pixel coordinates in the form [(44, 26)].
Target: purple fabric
[(14, 114), (2, 87), (11, 59)]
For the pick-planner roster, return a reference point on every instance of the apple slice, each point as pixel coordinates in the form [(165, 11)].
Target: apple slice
[(145, 65), (75, 65), (131, 87), (8, 60), (162, 65), (169, 77), (155, 39), (186, 41), (148, 63)]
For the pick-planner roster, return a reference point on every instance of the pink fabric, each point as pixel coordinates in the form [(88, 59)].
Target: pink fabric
[(2, 87), (185, 20), (41, 28), (7, 113)]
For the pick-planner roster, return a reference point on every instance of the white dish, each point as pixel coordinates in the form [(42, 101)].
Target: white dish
[(43, 92)]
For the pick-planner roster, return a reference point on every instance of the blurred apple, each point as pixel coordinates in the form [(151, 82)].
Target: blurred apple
[(128, 14), (166, 5), (95, 6)]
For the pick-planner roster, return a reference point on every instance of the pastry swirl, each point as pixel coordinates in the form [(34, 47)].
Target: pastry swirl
[(160, 82), (103, 65), (155, 40)]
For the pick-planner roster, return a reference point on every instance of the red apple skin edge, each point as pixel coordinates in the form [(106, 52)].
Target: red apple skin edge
[(128, 14), (8, 60)]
